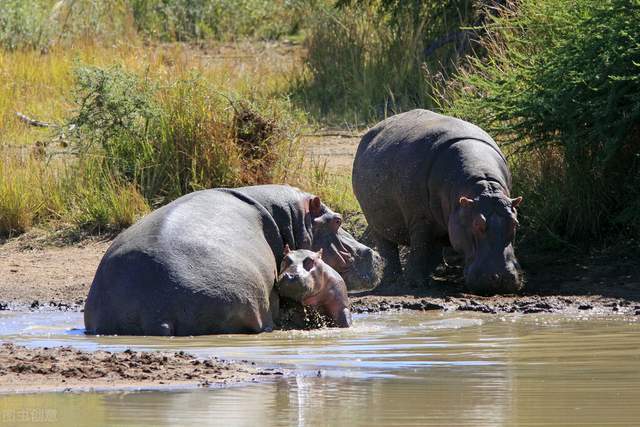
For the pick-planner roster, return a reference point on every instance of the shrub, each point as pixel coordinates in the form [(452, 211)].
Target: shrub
[(39, 24), (561, 89), (176, 137)]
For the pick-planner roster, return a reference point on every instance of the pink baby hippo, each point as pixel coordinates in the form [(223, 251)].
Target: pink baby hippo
[(305, 278)]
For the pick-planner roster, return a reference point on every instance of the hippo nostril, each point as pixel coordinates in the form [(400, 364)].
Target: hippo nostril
[(288, 276)]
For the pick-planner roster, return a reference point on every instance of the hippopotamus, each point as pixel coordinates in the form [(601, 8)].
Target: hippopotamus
[(427, 181), (359, 265), (207, 262), (307, 279)]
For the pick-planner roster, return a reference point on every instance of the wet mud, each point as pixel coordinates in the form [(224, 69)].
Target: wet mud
[(42, 369)]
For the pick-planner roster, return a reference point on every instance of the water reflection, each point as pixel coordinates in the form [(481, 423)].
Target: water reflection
[(401, 369)]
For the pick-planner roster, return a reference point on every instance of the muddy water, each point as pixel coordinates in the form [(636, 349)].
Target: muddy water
[(394, 368)]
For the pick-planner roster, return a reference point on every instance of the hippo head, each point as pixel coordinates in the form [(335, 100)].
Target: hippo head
[(483, 229), (305, 278), (359, 265)]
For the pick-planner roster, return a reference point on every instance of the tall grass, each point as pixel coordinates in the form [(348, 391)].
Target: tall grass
[(561, 90), (151, 123), (43, 24), (370, 59), (176, 136)]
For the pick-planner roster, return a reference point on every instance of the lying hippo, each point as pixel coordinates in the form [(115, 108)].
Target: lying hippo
[(207, 263), (305, 278), (428, 180)]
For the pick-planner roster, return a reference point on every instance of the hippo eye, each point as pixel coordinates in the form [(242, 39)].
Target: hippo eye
[(308, 264), (286, 261)]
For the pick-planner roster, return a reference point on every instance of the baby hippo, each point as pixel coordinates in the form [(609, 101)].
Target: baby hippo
[(305, 278)]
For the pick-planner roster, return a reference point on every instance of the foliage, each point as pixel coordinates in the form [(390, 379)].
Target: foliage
[(370, 59), (41, 24), (178, 137), (187, 20), (561, 89)]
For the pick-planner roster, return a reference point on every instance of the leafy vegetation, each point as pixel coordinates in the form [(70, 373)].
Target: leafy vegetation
[(138, 120), (177, 137), (369, 59), (560, 88)]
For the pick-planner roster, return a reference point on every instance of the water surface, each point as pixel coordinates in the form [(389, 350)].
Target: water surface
[(394, 368)]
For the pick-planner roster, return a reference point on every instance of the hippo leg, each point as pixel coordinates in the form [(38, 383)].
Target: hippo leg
[(389, 252), (341, 317), (424, 257)]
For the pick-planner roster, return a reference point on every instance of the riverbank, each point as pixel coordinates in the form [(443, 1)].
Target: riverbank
[(27, 370), (38, 274)]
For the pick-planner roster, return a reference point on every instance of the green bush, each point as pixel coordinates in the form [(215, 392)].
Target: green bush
[(40, 24), (23, 23), (560, 88), (173, 138)]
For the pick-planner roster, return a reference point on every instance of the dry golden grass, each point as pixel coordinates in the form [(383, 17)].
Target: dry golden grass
[(81, 193)]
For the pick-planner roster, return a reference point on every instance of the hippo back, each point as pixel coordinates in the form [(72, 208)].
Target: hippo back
[(406, 165), (202, 264)]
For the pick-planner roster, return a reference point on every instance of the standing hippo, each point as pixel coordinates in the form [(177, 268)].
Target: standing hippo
[(305, 278), (205, 263), (426, 180)]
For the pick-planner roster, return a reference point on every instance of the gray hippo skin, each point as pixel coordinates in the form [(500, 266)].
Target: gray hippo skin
[(427, 181), (203, 264), (359, 265), (305, 278)]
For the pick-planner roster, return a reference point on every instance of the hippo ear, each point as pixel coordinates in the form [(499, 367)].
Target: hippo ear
[(516, 202), (319, 254), (315, 206), (286, 249), (465, 202)]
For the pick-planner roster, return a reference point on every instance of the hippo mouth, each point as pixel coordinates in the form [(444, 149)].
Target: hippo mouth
[(311, 299)]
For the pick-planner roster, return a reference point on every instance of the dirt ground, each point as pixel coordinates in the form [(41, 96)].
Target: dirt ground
[(336, 148), (64, 369)]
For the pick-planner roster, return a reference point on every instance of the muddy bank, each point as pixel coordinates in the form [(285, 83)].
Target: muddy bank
[(64, 369), (528, 304), (39, 276), (34, 273), (605, 282)]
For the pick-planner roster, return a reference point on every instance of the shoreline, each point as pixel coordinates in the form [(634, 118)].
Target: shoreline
[(28, 370), (37, 276)]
